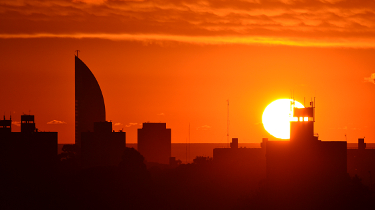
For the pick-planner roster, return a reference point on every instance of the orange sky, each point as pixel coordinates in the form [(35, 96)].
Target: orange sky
[(179, 61)]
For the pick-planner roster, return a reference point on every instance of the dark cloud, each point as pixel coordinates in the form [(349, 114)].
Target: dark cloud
[(325, 22)]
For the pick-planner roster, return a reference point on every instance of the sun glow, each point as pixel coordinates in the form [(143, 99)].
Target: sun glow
[(277, 116)]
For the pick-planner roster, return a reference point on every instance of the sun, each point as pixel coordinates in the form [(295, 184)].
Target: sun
[(277, 116)]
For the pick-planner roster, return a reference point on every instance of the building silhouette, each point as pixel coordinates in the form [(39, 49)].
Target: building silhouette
[(304, 164), (102, 147), (89, 101), (29, 151), (361, 162), (242, 162), (154, 142), (6, 126)]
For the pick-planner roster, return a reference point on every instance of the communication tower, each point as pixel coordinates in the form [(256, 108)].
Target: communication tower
[(228, 123)]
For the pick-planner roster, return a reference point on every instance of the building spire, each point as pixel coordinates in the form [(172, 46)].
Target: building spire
[(77, 52)]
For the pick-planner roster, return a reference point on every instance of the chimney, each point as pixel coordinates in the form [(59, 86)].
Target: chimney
[(234, 144)]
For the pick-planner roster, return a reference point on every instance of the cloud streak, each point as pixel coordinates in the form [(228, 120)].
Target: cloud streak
[(370, 79), (347, 23), (203, 127), (203, 39), (130, 124), (16, 123), (56, 122)]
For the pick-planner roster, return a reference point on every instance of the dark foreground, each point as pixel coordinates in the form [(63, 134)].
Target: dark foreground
[(201, 185)]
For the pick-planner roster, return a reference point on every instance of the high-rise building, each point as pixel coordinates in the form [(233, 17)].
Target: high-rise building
[(154, 142), (89, 101)]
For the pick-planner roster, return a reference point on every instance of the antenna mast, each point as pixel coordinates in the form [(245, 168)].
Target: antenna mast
[(228, 123), (189, 141)]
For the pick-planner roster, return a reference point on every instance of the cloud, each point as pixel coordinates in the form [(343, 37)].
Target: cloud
[(130, 124), (343, 128), (161, 114), (91, 1), (56, 122), (16, 123), (348, 23), (204, 127), (203, 39), (370, 79)]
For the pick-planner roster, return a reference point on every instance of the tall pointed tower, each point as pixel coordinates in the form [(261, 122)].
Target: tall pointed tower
[(89, 101)]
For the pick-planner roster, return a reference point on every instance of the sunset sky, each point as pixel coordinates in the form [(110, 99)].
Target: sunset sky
[(179, 61)]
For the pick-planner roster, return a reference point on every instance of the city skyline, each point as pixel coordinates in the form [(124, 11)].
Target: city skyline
[(165, 104), (180, 78)]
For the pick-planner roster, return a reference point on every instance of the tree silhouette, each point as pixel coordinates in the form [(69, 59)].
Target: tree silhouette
[(132, 159), (202, 160), (69, 159), (133, 167)]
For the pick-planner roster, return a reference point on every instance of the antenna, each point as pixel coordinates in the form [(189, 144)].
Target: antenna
[(186, 151), (314, 109), (314, 102), (293, 95), (292, 103), (228, 122), (189, 141), (77, 52)]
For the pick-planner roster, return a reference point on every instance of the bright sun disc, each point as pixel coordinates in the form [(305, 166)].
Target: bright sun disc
[(277, 116)]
